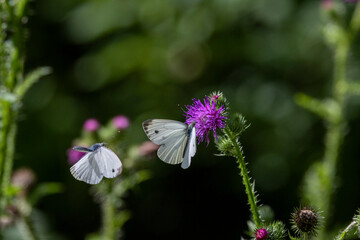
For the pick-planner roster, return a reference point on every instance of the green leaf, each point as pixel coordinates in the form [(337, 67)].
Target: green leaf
[(45, 189), (7, 96), (293, 238), (30, 79), (327, 109), (311, 104), (19, 8), (12, 190), (355, 21)]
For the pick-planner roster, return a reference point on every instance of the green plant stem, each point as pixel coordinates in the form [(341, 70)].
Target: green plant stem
[(335, 133), (346, 230), (306, 236), (25, 229), (109, 211), (246, 179), (7, 148), (335, 130)]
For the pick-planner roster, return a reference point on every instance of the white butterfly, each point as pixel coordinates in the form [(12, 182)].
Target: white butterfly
[(98, 162), (176, 139)]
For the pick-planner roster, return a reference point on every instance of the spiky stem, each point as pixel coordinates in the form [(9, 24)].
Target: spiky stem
[(346, 230), (8, 149), (245, 175), (25, 229), (109, 212)]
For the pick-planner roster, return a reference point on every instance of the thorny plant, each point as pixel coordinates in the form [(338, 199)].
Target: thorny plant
[(212, 115)]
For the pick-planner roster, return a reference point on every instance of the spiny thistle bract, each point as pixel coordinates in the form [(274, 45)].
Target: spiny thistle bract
[(237, 125), (306, 220), (357, 220), (220, 100), (274, 231)]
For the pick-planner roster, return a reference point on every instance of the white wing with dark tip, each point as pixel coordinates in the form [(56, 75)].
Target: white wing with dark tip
[(160, 130), (111, 163), (173, 138)]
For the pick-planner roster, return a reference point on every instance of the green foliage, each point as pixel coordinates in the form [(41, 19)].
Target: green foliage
[(320, 182), (220, 99), (229, 145), (277, 230), (178, 48), (12, 86), (327, 109), (45, 189), (352, 231), (236, 125), (30, 79)]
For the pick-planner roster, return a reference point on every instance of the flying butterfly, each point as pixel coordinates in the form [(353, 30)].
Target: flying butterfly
[(177, 140), (98, 162)]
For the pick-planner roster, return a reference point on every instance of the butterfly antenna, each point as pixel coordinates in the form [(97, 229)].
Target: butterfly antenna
[(180, 107)]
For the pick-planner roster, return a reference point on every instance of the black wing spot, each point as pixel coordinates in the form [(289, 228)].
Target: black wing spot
[(113, 170), (156, 131)]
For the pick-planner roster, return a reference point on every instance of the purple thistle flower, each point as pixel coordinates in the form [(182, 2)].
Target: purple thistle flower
[(74, 156), (121, 122), (261, 234), (91, 125), (206, 117)]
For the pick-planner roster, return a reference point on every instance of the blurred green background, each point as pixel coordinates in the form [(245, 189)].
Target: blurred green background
[(147, 59)]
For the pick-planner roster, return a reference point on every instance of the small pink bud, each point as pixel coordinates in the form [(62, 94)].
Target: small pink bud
[(91, 125), (261, 234), (327, 4), (148, 149), (74, 156), (121, 122)]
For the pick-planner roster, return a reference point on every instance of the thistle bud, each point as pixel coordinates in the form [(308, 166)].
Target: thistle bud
[(305, 220), (261, 234), (23, 178)]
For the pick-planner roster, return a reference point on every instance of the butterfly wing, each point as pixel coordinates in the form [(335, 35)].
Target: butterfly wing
[(171, 135), (190, 149), (172, 150), (111, 163), (88, 169)]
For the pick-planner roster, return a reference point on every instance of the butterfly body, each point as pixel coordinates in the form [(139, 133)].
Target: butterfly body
[(177, 140), (98, 162)]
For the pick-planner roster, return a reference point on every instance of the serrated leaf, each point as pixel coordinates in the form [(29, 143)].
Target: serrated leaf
[(30, 79), (238, 124), (293, 238)]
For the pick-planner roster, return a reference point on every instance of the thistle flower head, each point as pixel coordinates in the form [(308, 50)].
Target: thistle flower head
[(148, 149), (91, 125), (121, 122), (23, 178), (305, 220), (208, 117), (261, 234), (74, 156)]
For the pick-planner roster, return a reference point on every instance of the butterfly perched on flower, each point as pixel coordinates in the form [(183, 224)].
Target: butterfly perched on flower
[(177, 140)]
